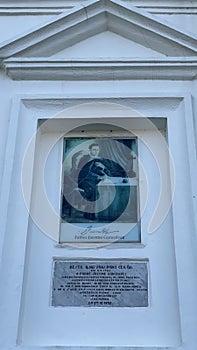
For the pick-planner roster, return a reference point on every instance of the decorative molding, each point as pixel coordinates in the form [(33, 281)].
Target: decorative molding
[(37, 8), (82, 22), (42, 69), (28, 57), (56, 11), (32, 11), (163, 7), (49, 7), (172, 10)]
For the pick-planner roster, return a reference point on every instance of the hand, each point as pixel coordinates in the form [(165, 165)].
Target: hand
[(102, 177)]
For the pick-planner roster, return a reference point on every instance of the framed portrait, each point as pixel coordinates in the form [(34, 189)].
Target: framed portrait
[(100, 201)]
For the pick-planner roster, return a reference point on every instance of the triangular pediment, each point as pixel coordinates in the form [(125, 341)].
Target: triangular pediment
[(106, 45), (101, 40), (97, 16)]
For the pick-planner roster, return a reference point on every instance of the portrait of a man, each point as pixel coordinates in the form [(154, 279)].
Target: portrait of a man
[(99, 180)]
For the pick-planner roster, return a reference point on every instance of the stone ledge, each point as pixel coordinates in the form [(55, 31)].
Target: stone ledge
[(48, 69)]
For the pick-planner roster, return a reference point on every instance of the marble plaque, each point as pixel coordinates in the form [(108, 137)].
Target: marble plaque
[(109, 283)]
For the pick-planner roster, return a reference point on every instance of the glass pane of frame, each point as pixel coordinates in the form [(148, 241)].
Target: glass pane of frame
[(100, 201)]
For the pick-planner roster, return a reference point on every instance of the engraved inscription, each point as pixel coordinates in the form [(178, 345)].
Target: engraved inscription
[(100, 283)]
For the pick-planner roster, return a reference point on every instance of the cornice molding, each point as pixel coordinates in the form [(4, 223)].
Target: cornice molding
[(34, 7), (169, 10), (49, 7), (42, 69)]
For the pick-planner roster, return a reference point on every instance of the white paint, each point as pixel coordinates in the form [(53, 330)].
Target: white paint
[(26, 253), (44, 325), (10, 26), (78, 24), (106, 45), (189, 21), (76, 253)]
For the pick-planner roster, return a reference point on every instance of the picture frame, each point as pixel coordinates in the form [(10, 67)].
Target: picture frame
[(100, 194)]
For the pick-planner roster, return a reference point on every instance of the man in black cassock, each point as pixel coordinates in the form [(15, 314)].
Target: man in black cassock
[(92, 170)]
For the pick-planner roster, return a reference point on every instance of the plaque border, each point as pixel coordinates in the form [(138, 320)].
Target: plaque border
[(121, 260)]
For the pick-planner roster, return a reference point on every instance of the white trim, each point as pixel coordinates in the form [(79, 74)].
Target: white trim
[(81, 22), (191, 155), (86, 69), (33, 101), (8, 167), (170, 10), (48, 7), (19, 239)]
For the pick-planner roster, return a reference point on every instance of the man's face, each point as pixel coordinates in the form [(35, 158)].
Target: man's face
[(94, 151)]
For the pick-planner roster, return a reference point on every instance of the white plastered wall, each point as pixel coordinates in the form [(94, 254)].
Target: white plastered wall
[(23, 103), (25, 111)]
